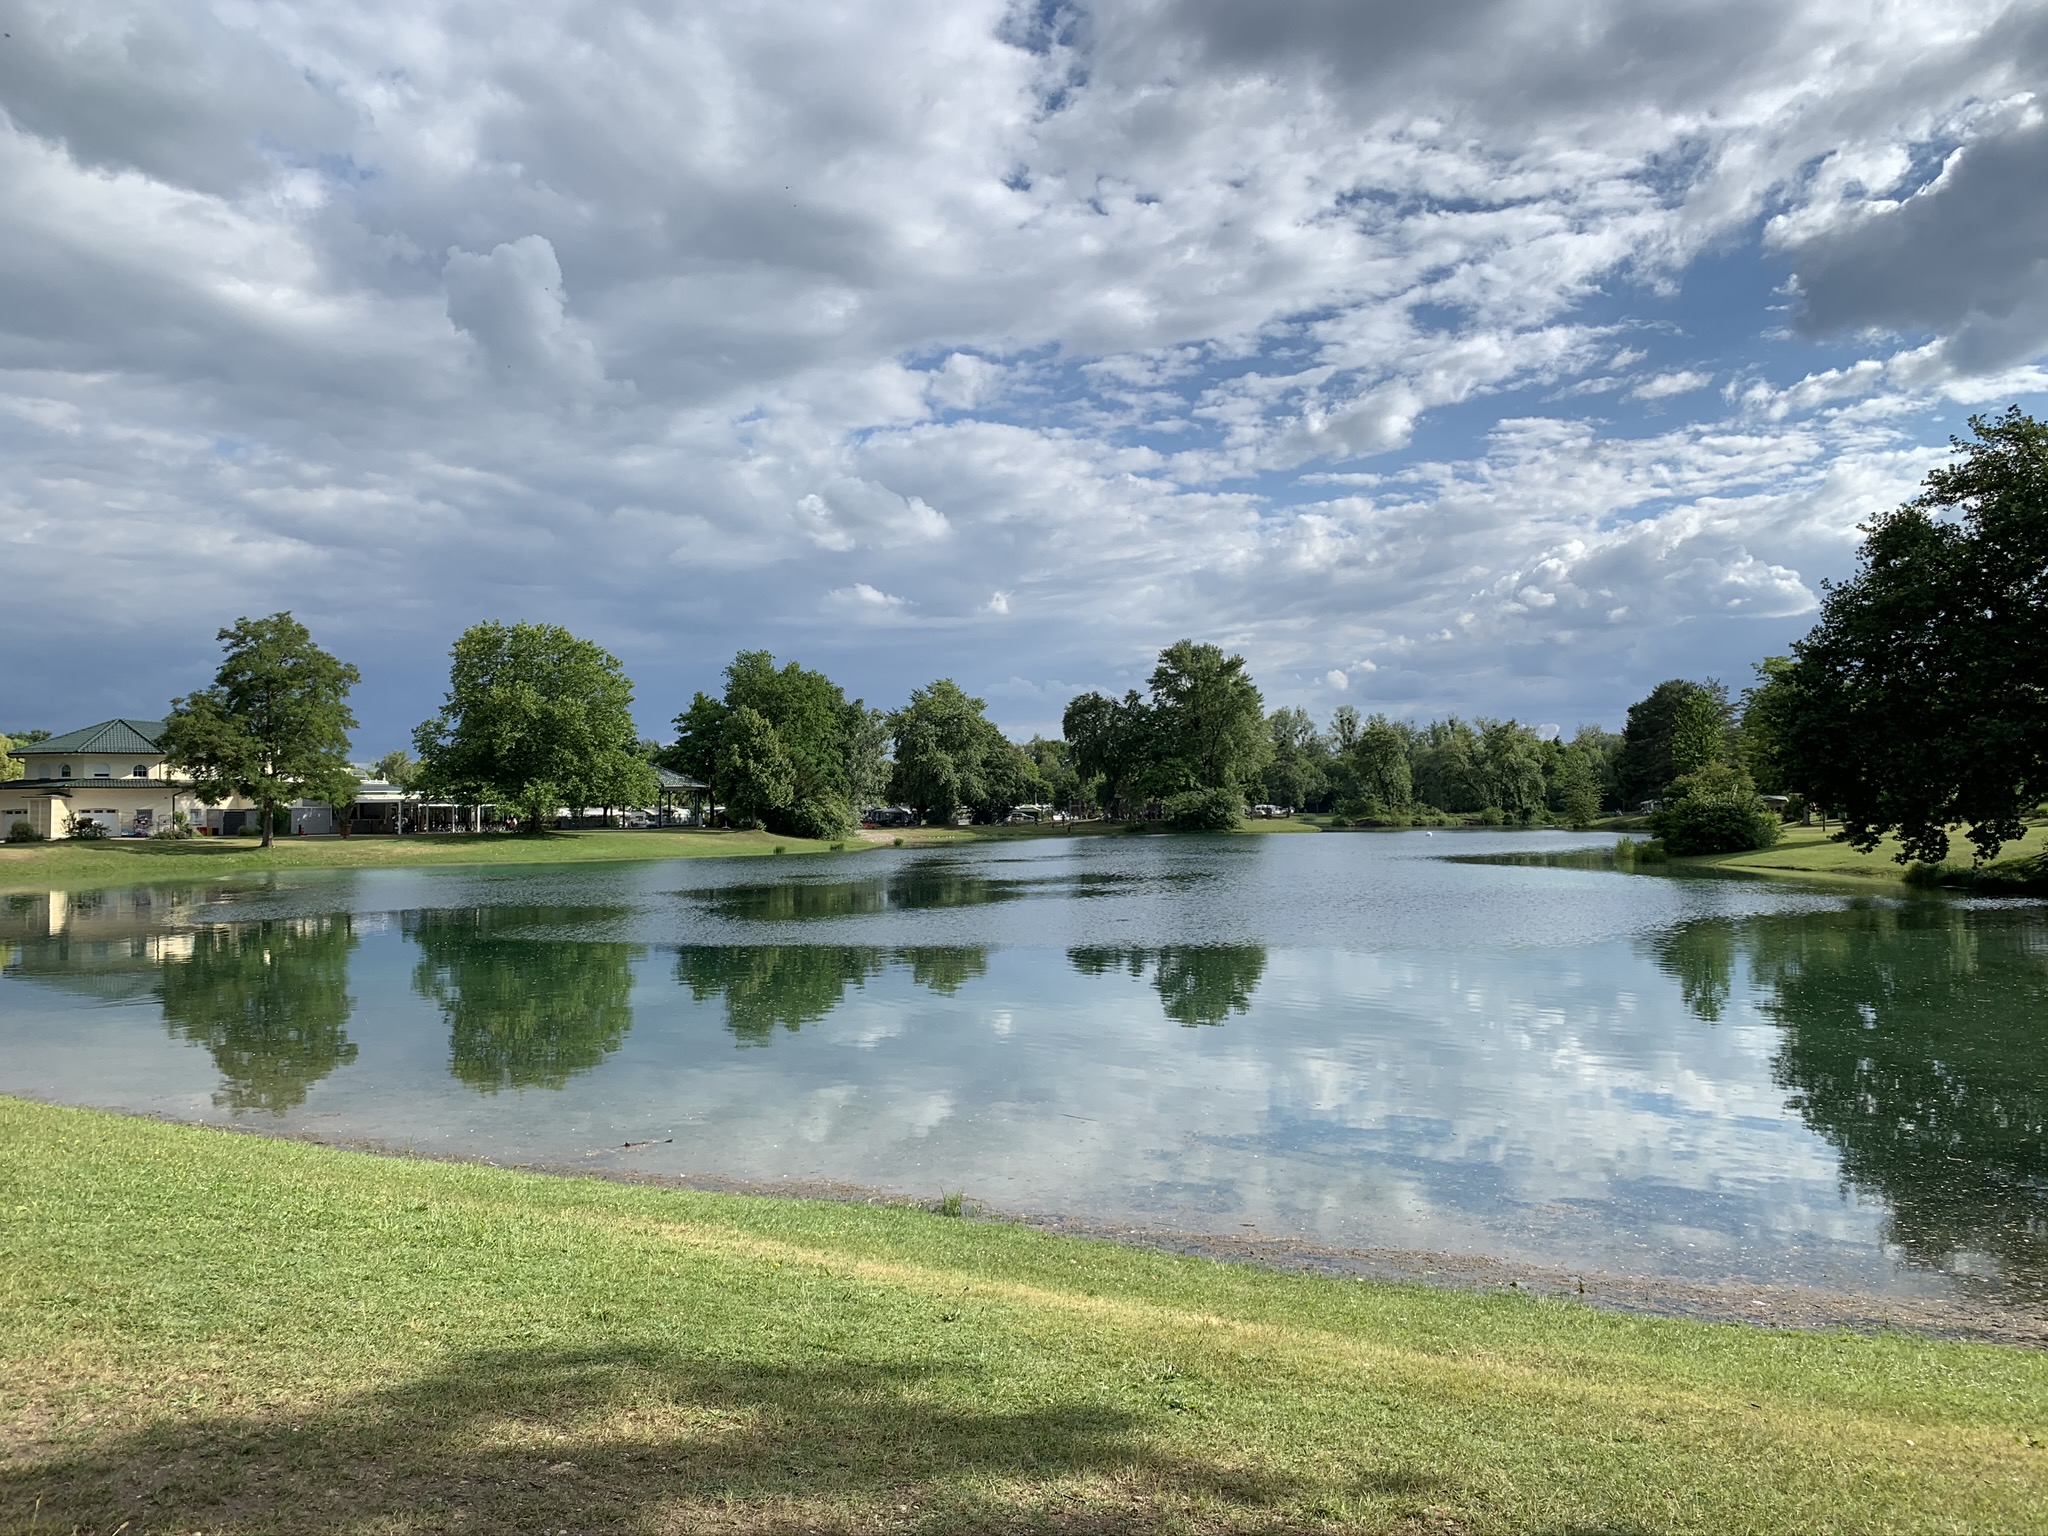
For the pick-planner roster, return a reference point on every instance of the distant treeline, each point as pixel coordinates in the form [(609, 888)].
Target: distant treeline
[(1918, 703)]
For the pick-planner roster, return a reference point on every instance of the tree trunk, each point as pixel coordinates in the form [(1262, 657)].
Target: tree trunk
[(269, 824)]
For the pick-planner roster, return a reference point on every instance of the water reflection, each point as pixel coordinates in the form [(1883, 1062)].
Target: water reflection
[(268, 1000), (791, 985), (769, 984), (918, 885), (1197, 983), (1914, 1043), (524, 1008)]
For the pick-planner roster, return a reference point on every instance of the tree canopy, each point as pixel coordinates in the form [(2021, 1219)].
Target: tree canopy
[(1920, 699), (274, 727), (537, 719), (782, 746), (949, 755)]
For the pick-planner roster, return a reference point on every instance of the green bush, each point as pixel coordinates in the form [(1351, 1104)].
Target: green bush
[(1715, 810), (88, 831), (822, 817), (22, 832), (1204, 810)]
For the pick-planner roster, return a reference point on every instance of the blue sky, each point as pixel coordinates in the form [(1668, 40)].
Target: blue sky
[(1500, 356)]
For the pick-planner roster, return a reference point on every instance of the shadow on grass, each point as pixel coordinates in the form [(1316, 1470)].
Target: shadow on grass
[(638, 1439)]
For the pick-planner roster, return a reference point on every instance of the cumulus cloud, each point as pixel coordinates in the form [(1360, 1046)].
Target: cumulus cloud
[(1369, 339)]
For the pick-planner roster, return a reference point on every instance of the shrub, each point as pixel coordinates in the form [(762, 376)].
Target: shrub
[(822, 817), (1715, 810), (88, 831), (22, 832), (1204, 810)]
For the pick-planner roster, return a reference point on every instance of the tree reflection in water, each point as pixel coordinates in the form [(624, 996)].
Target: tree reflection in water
[(270, 1003), (769, 984), (797, 984), (526, 1007), (1197, 983), (1914, 1042), (945, 969)]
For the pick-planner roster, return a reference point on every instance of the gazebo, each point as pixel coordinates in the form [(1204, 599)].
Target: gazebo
[(674, 787)]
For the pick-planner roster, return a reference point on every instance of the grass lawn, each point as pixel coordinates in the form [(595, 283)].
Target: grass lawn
[(208, 1332), (1813, 852), (126, 861)]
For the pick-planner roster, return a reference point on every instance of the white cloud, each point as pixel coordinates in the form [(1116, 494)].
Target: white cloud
[(1181, 322), (1664, 385)]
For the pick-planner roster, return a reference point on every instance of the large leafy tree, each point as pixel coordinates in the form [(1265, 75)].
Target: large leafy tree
[(537, 719), (1297, 774), (1209, 721), (273, 727), (759, 779), (949, 755), (1380, 772), (1669, 732), (824, 747), (10, 767), (1920, 699), (1111, 742)]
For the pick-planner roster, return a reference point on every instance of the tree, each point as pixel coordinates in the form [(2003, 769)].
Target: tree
[(1111, 740), (1379, 765), (867, 756), (1209, 721), (1296, 775), (1053, 761), (1575, 786), (760, 780), (273, 727), (395, 767), (1645, 765), (949, 755), (828, 749), (1766, 708), (1715, 809), (700, 730), (1699, 729), (537, 719), (11, 767), (1344, 727), (1920, 699)]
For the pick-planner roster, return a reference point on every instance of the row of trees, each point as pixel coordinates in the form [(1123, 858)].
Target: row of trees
[(1918, 702)]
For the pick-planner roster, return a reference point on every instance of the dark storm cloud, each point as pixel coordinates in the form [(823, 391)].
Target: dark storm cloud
[(1966, 258)]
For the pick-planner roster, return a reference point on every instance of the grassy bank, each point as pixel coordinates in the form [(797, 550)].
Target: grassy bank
[(125, 861), (1812, 853), (201, 1331)]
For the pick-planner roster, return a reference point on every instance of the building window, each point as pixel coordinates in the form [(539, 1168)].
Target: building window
[(64, 772), (142, 770), (102, 771)]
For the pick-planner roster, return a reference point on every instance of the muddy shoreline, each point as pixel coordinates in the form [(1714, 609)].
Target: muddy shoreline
[(1982, 1320)]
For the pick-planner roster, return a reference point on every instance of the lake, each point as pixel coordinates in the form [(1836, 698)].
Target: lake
[(1352, 1040)]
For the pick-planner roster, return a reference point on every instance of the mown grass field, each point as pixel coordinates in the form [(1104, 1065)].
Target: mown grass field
[(125, 861), (1810, 851), (208, 1332)]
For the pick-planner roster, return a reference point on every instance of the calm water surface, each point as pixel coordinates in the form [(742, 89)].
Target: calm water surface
[(1349, 1039)]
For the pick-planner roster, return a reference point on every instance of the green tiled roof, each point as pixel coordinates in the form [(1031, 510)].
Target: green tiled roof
[(115, 738), (676, 780)]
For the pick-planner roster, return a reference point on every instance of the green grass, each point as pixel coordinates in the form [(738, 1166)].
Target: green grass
[(125, 861), (1812, 852), (208, 1332)]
